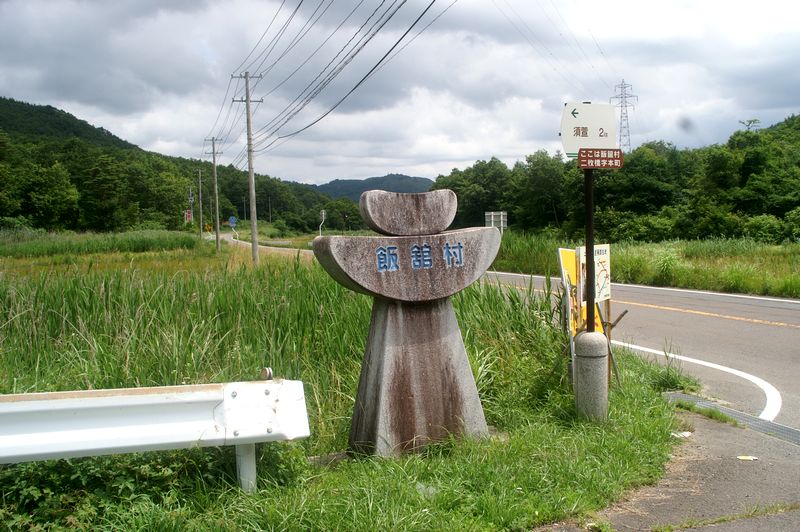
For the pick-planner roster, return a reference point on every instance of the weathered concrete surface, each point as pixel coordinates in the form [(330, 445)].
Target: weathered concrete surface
[(416, 384), (355, 262), (395, 213), (590, 375)]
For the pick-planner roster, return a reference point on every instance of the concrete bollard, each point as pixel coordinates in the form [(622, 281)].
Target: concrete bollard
[(590, 375)]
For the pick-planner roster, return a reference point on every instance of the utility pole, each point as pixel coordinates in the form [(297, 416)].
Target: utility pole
[(250, 174), (200, 198), (214, 154), (622, 97), (189, 217)]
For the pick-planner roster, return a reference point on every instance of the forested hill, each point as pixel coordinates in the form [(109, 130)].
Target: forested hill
[(749, 186), (59, 172), (352, 188), (37, 121)]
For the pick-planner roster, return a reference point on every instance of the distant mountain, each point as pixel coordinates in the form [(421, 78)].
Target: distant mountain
[(352, 188), (44, 121)]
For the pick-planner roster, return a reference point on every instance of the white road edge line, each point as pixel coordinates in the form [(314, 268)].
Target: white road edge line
[(774, 401)]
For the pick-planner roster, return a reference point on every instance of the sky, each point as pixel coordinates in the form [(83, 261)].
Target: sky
[(485, 78)]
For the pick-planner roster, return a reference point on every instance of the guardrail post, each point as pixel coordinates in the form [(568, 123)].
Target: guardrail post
[(246, 466)]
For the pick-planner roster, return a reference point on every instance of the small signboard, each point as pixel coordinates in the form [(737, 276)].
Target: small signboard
[(232, 220), (588, 125), (576, 319), (497, 219), (600, 158), (602, 272)]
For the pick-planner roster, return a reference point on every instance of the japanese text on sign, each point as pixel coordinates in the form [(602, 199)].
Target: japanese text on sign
[(600, 158), (422, 258)]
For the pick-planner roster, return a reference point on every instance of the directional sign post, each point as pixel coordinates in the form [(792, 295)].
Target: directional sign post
[(589, 133), (588, 125)]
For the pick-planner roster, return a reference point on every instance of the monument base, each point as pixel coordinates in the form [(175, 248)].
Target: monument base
[(416, 385)]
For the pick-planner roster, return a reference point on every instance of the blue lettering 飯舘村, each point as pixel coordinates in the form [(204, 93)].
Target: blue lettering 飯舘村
[(421, 258), (453, 255), (386, 258)]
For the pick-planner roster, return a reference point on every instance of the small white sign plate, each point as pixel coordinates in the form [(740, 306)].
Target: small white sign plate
[(588, 125)]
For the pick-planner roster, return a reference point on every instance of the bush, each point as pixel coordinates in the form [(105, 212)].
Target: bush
[(764, 228), (19, 222), (792, 224)]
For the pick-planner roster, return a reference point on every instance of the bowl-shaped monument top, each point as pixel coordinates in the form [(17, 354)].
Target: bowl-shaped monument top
[(409, 268), (395, 213)]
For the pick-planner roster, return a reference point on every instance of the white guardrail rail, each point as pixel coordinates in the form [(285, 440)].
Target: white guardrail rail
[(51, 425)]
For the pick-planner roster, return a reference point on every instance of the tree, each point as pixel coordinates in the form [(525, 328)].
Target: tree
[(48, 199), (481, 187), (103, 197), (536, 191), (751, 123)]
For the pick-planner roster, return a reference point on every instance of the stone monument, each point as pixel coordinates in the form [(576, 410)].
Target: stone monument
[(416, 385)]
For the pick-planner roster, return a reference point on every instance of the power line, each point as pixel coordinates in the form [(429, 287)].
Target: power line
[(302, 32), (267, 51), (366, 76), (549, 57), (316, 85), (580, 48), (318, 48), (428, 25), (255, 47)]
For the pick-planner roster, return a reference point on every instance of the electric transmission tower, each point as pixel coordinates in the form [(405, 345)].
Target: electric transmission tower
[(624, 100)]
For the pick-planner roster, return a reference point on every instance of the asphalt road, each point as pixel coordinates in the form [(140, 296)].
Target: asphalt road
[(754, 340)]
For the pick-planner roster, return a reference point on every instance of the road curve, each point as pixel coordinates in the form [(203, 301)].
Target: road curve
[(757, 336)]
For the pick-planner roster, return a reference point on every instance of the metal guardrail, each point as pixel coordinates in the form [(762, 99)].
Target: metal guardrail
[(42, 426)]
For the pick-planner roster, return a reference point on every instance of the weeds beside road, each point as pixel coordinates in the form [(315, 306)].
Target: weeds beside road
[(105, 320)]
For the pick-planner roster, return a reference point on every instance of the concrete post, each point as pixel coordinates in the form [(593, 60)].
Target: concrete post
[(590, 375)]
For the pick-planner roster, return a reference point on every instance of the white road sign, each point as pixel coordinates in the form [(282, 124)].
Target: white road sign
[(588, 125)]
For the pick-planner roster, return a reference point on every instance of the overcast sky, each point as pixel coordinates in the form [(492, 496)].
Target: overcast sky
[(487, 78)]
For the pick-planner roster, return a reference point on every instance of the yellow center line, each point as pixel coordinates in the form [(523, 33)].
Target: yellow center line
[(674, 309), (710, 314)]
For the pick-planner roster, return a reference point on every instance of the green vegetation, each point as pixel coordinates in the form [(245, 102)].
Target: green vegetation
[(749, 187), (710, 413), (190, 316), (28, 243), (58, 172), (740, 265), (352, 188)]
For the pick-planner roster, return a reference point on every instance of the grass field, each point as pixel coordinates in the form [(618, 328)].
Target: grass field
[(738, 265), (189, 315), (725, 265)]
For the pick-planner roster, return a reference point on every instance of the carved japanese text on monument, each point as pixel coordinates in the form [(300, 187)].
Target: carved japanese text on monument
[(420, 257), (416, 384)]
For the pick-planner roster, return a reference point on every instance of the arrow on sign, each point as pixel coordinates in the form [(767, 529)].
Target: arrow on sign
[(575, 113)]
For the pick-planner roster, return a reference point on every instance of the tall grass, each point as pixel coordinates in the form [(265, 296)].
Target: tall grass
[(727, 265), (739, 265), (530, 253), (101, 328), (28, 243)]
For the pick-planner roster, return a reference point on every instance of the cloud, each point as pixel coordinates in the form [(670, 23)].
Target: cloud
[(487, 79)]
